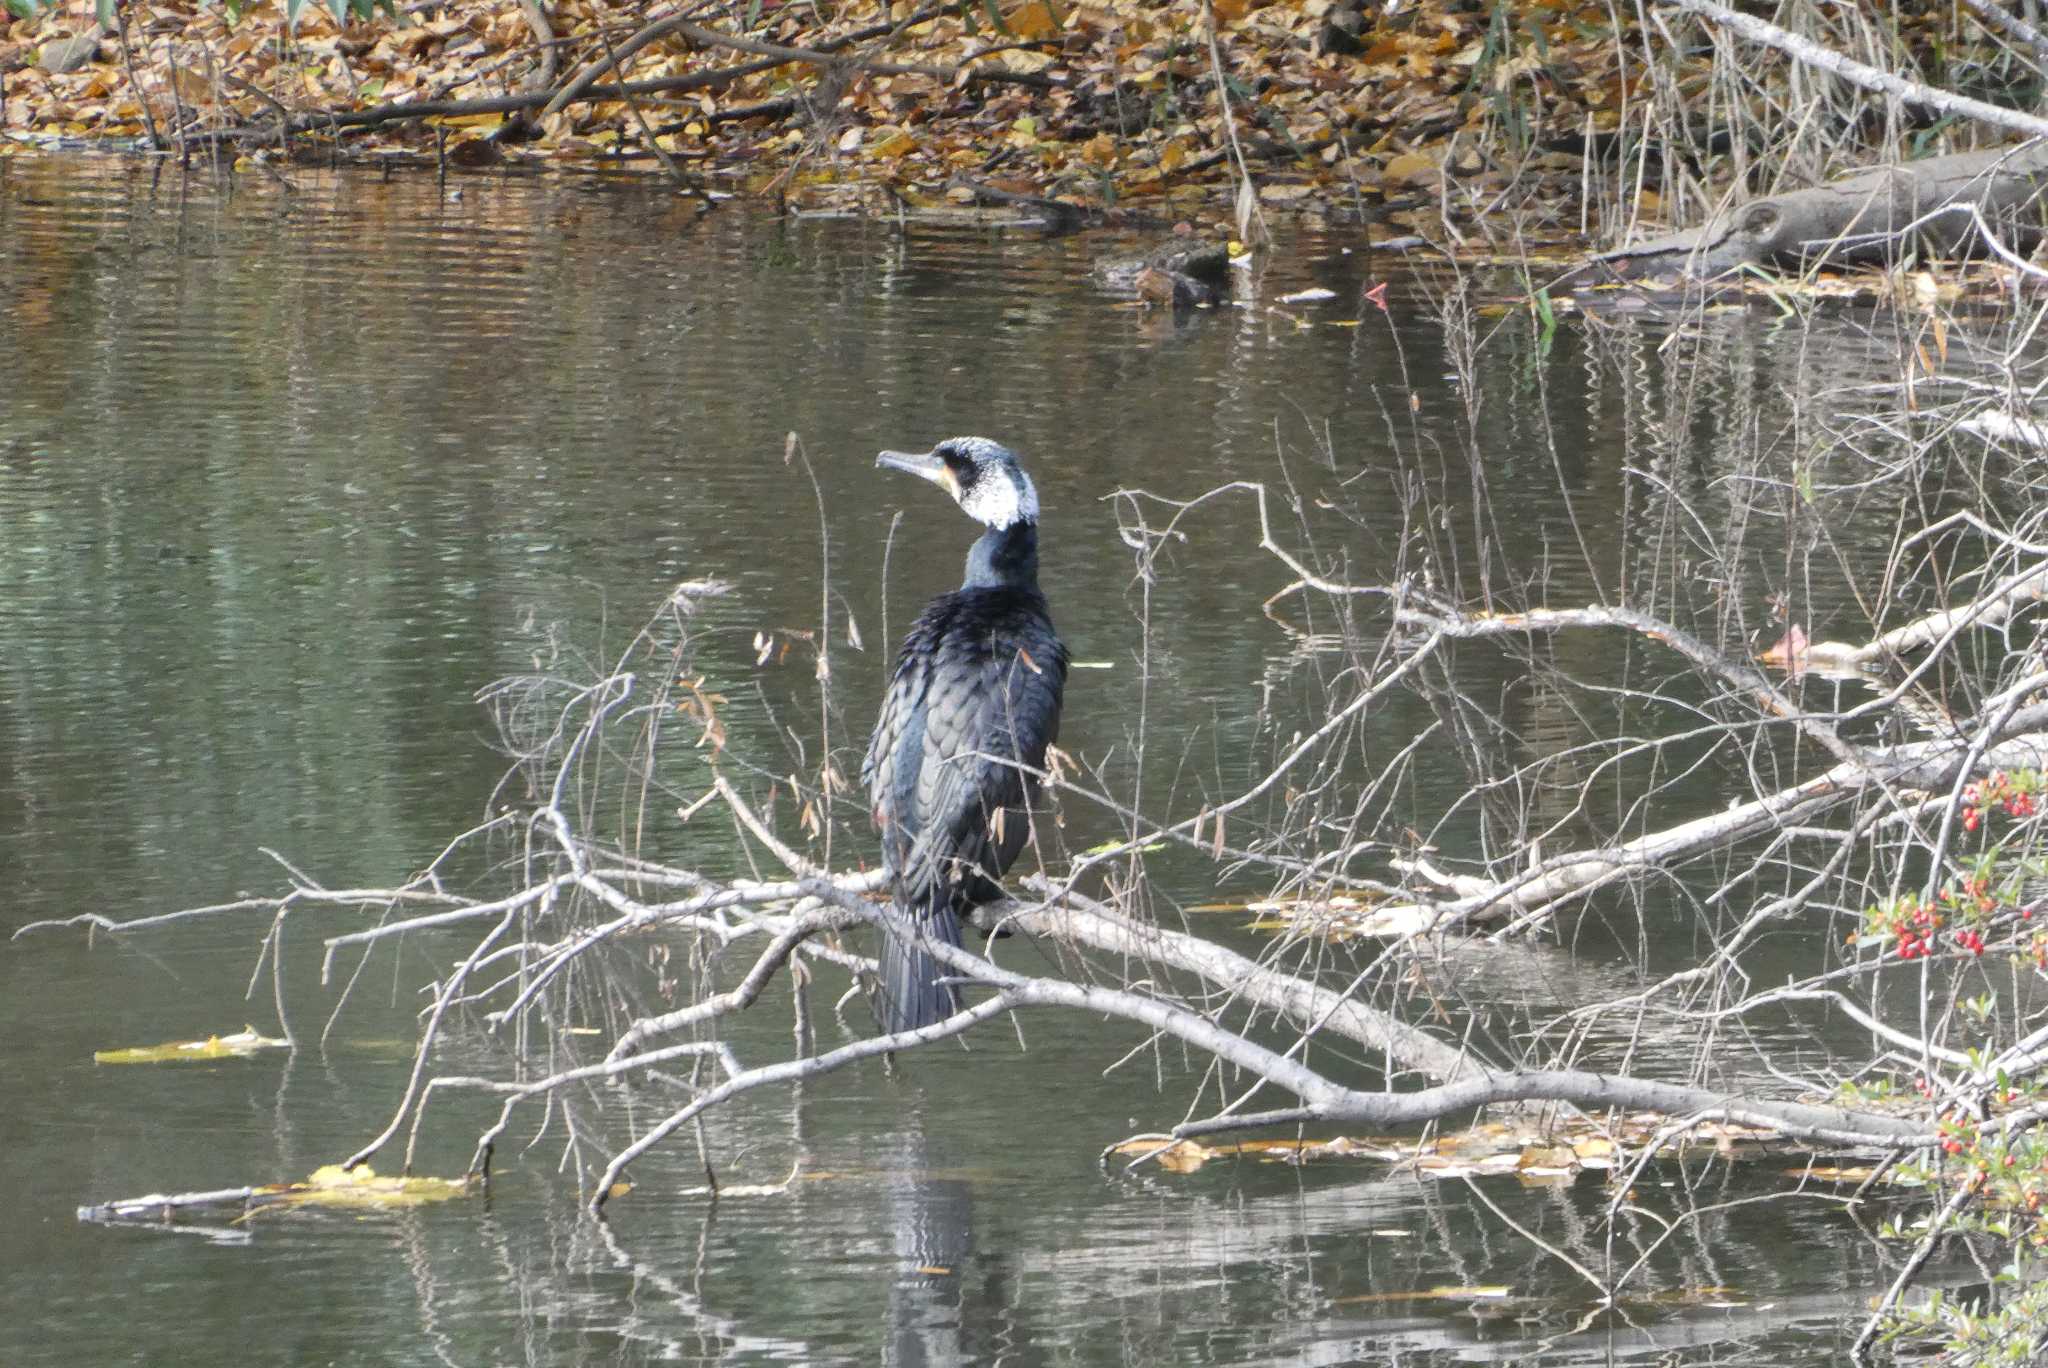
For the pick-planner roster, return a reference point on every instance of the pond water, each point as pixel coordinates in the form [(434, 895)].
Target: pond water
[(285, 477)]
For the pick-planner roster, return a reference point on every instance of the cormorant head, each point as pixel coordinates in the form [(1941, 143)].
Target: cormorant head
[(982, 476)]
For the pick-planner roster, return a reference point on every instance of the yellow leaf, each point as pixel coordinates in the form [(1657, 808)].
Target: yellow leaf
[(1033, 20), (240, 1045), (360, 1187)]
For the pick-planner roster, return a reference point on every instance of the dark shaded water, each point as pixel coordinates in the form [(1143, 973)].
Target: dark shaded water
[(285, 478)]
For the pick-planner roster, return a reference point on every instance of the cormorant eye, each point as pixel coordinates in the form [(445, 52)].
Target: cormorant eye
[(963, 468)]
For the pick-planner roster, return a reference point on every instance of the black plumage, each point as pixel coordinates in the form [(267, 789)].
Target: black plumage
[(977, 686)]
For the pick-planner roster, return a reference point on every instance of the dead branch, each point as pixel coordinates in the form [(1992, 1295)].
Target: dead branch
[(1992, 609), (1861, 74), (1418, 610), (1309, 1006), (1929, 765), (1797, 1120), (2000, 20)]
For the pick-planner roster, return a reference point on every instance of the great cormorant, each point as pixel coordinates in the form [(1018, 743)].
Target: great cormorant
[(976, 690)]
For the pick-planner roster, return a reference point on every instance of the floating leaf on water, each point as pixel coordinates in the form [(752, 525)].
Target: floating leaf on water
[(361, 1187), (1545, 1177), (243, 1044), (1175, 1156), (1559, 1158)]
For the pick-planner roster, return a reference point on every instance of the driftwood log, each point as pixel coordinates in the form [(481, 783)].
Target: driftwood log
[(1942, 206)]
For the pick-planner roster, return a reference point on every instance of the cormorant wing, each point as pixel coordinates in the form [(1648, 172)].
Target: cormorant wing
[(958, 707)]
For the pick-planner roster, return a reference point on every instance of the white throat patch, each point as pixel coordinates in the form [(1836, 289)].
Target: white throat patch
[(1002, 494)]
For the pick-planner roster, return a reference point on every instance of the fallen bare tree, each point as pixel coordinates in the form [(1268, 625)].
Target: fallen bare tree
[(584, 894), (1642, 763)]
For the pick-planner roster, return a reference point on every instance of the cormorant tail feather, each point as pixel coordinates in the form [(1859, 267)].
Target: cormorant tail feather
[(912, 996)]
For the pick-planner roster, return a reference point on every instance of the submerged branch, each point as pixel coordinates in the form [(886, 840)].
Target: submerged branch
[(1803, 1121)]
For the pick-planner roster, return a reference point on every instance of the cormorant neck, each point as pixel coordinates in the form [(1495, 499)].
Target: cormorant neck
[(1004, 558)]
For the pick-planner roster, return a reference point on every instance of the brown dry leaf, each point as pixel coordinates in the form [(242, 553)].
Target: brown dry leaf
[(1595, 1151), (1411, 169), (1033, 20), (190, 86)]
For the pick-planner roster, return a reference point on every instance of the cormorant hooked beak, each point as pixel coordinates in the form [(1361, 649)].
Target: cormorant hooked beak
[(927, 465)]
